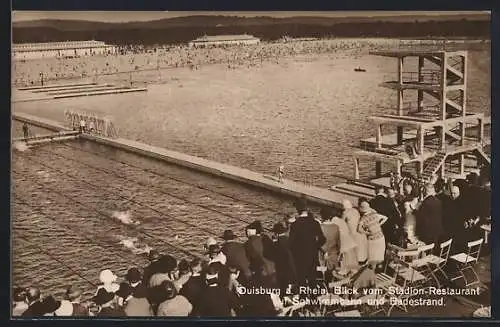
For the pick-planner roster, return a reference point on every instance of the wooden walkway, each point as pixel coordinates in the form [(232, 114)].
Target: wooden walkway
[(60, 91), (288, 187)]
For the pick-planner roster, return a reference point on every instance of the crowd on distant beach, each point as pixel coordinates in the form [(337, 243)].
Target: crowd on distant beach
[(139, 58), (301, 252)]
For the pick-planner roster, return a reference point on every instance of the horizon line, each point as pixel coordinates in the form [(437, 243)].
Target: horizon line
[(147, 16)]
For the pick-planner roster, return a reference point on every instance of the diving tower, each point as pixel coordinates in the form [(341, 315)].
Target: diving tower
[(432, 131)]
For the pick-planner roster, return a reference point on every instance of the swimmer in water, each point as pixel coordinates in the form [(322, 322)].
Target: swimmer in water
[(281, 173)]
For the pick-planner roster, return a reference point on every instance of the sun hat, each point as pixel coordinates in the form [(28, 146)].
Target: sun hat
[(107, 276), (228, 235), (133, 275), (65, 310)]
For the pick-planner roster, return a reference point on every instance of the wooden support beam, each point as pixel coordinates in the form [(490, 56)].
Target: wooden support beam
[(434, 94), (462, 164), (400, 133), (455, 72), (420, 66), (443, 138), (464, 94), (421, 134), (455, 106), (378, 169), (481, 130), (400, 71), (434, 60), (443, 90), (462, 132), (379, 136), (453, 135)]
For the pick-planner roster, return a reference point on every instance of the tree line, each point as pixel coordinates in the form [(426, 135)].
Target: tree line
[(177, 35)]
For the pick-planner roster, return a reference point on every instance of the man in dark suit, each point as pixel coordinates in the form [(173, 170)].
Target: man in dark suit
[(192, 289), (394, 214), (306, 238), (429, 225), (285, 265), (384, 206), (35, 304), (235, 254), (255, 250)]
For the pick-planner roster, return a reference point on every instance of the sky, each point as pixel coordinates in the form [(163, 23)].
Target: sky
[(129, 16)]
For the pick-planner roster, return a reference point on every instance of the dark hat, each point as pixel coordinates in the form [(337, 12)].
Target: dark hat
[(278, 228), (50, 304), (124, 291), (166, 264), (228, 235), (103, 297), (300, 205), (19, 294), (133, 275), (258, 226)]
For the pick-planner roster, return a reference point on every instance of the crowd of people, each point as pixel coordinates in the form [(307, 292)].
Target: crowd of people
[(140, 58), (260, 276)]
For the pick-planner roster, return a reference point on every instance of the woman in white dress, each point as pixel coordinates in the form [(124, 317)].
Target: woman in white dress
[(351, 217), (371, 224)]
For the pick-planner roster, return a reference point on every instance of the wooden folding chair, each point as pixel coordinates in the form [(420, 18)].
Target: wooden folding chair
[(467, 261), (422, 263), (407, 270), (437, 264)]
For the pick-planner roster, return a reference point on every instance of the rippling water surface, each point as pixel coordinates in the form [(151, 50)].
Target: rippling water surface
[(64, 197), (305, 114)]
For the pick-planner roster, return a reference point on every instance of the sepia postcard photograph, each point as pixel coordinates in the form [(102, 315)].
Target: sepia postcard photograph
[(276, 164)]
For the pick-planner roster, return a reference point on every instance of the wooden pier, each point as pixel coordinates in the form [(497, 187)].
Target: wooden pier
[(61, 91)]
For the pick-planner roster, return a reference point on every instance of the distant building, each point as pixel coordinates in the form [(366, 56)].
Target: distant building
[(219, 40), (66, 49)]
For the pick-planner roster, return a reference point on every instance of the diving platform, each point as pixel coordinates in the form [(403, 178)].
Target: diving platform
[(410, 135), (434, 130), (416, 53)]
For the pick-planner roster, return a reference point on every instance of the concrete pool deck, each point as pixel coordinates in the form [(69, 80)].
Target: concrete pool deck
[(288, 187)]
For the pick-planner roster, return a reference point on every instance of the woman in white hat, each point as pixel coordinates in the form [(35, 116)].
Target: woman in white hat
[(108, 280)]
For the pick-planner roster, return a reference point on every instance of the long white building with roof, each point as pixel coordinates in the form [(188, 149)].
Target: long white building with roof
[(25, 51), (221, 40)]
